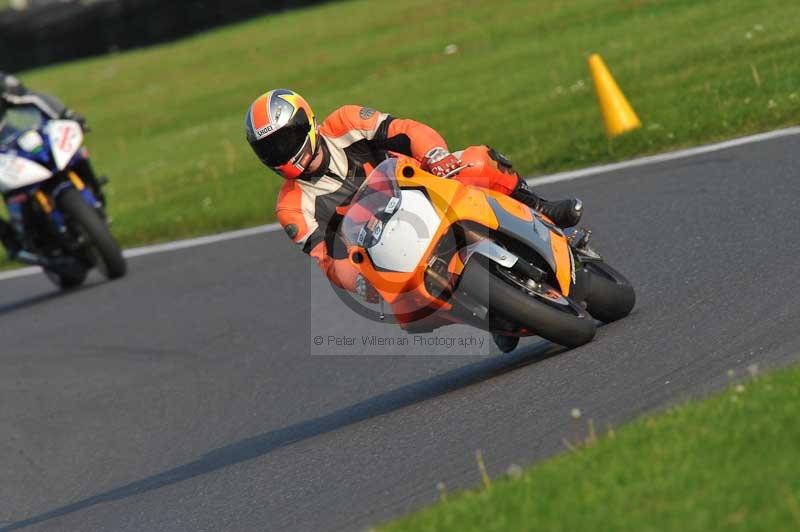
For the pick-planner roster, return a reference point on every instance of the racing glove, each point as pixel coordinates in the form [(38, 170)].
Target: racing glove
[(365, 290), (440, 162)]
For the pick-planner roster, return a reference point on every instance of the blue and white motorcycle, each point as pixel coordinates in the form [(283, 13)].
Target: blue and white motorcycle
[(58, 214)]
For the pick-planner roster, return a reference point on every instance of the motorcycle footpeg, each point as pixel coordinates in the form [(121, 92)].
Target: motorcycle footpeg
[(587, 254), (578, 237), (584, 241)]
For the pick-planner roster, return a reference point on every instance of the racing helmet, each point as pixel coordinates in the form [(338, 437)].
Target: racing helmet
[(8, 84), (282, 131)]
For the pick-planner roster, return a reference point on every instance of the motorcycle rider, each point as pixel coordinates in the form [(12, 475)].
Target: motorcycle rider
[(324, 166), (14, 94)]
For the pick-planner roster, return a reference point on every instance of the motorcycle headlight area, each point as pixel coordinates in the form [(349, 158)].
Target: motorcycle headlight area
[(31, 142)]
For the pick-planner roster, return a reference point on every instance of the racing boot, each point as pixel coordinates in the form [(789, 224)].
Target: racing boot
[(8, 237), (564, 213)]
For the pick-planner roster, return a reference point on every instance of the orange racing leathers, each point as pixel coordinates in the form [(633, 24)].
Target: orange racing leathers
[(354, 141)]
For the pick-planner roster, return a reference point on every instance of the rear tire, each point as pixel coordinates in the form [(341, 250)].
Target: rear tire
[(107, 254), (610, 295), (570, 325), (67, 281)]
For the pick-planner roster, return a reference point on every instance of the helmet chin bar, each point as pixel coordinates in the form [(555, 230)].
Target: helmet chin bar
[(295, 167)]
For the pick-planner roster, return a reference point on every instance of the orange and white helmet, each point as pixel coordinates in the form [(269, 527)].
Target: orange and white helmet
[(282, 131)]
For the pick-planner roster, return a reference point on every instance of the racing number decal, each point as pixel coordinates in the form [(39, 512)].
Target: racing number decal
[(67, 136), (66, 139)]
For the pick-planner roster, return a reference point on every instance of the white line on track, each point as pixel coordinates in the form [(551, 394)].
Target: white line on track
[(21, 272), (540, 180), (662, 157), (201, 241), (162, 248)]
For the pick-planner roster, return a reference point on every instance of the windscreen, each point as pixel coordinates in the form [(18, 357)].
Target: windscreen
[(372, 206), (18, 120)]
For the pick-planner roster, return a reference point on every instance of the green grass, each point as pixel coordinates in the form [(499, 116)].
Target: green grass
[(167, 120), (725, 463)]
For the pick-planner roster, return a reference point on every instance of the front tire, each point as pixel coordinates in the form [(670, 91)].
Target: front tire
[(103, 249), (566, 324)]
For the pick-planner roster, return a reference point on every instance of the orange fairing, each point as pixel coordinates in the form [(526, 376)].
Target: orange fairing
[(456, 265), (512, 206), (453, 202), (390, 284), (405, 291), (563, 261)]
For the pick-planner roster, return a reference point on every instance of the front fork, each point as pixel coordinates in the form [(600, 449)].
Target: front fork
[(582, 253), (48, 206), (84, 169), (47, 202)]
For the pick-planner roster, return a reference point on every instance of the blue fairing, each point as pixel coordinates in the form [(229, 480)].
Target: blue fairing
[(41, 156), (9, 142)]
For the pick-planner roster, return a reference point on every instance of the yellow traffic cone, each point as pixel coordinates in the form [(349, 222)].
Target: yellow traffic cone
[(618, 114)]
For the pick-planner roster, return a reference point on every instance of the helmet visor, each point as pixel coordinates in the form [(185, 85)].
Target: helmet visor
[(279, 147)]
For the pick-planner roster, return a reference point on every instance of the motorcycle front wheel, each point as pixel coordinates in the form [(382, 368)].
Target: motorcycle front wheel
[(534, 307), (101, 249)]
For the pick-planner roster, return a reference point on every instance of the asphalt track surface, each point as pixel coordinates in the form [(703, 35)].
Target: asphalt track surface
[(187, 397)]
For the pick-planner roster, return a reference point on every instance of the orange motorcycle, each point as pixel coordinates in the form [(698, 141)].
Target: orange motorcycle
[(440, 252)]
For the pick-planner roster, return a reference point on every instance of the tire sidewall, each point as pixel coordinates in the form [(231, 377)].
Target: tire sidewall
[(73, 205), (609, 295)]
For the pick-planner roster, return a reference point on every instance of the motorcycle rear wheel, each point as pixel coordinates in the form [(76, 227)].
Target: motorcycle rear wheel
[(67, 281), (104, 250), (610, 296), (562, 322)]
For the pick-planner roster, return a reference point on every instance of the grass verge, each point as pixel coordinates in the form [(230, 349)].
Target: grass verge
[(167, 120), (728, 462)]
